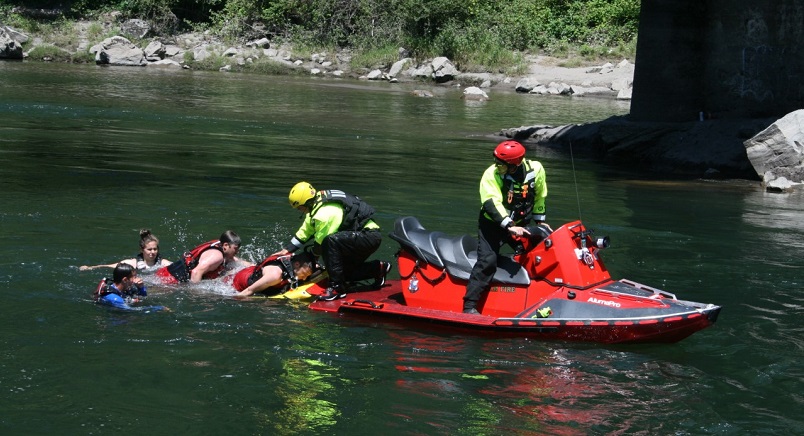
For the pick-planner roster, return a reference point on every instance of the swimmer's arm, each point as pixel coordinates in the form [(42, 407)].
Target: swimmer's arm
[(132, 262)]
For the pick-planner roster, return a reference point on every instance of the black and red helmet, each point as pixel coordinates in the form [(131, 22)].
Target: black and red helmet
[(510, 152)]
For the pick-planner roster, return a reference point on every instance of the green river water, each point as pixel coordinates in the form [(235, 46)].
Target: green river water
[(91, 155)]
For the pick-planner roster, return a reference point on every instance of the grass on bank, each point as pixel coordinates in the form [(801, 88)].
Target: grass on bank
[(52, 53), (258, 65)]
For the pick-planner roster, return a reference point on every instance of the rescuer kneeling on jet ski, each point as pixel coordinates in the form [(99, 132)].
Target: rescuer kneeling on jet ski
[(512, 194), (344, 233)]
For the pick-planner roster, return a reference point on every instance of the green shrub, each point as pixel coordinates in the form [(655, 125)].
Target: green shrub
[(212, 63), (96, 32), (83, 57), (49, 53), (375, 57)]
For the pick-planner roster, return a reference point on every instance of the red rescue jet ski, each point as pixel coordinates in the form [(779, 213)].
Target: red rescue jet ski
[(556, 287)]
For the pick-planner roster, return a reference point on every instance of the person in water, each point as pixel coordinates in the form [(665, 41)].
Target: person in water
[(274, 275), (512, 194), (124, 291), (148, 259), (209, 260), (344, 233)]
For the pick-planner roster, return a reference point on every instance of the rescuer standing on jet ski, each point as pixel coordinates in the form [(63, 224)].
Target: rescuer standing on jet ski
[(512, 194)]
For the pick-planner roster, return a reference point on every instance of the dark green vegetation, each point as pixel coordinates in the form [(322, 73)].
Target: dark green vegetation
[(474, 34)]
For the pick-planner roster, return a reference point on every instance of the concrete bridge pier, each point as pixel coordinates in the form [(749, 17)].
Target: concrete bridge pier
[(729, 59)]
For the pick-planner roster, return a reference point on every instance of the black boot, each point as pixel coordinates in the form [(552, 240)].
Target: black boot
[(469, 307)]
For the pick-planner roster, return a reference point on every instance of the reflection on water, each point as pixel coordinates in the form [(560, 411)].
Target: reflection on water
[(776, 211), (92, 155)]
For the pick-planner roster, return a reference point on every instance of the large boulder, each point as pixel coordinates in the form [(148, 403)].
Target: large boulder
[(398, 66), (10, 45), (173, 50), (526, 85), (118, 51), (777, 153), (14, 34), (155, 51), (443, 70)]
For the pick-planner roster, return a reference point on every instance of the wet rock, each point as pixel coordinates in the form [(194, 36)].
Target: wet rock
[(693, 149), (526, 85), (475, 93), (780, 184), (777, 153)]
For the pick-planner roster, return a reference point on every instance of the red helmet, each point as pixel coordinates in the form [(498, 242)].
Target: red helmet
[(510, 152)]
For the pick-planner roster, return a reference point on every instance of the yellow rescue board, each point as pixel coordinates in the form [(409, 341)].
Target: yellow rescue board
[(308, 291)]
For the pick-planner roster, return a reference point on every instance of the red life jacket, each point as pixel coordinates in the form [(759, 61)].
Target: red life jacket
[(103, 289), (192, 257), (179, 271), (247, 276)]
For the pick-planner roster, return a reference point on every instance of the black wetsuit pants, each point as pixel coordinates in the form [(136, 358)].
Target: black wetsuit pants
[(490, 238), (345, 255)]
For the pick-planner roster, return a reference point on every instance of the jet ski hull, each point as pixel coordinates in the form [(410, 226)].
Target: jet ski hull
[(556, 288)]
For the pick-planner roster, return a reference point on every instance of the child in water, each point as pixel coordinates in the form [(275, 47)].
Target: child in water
[(124, 290), (148, 260)]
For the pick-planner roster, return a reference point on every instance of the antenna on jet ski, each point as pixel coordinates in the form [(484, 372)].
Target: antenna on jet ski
[(575, 179)]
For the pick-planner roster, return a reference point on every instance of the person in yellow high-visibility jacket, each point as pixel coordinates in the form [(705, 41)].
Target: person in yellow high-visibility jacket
[(344, 233), (512, 195)]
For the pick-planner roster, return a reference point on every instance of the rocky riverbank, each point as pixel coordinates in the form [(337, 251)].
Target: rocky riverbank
[(698, 149), (132, 46)]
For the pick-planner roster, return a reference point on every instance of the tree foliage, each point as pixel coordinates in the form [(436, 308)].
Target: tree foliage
[(427, 27)]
